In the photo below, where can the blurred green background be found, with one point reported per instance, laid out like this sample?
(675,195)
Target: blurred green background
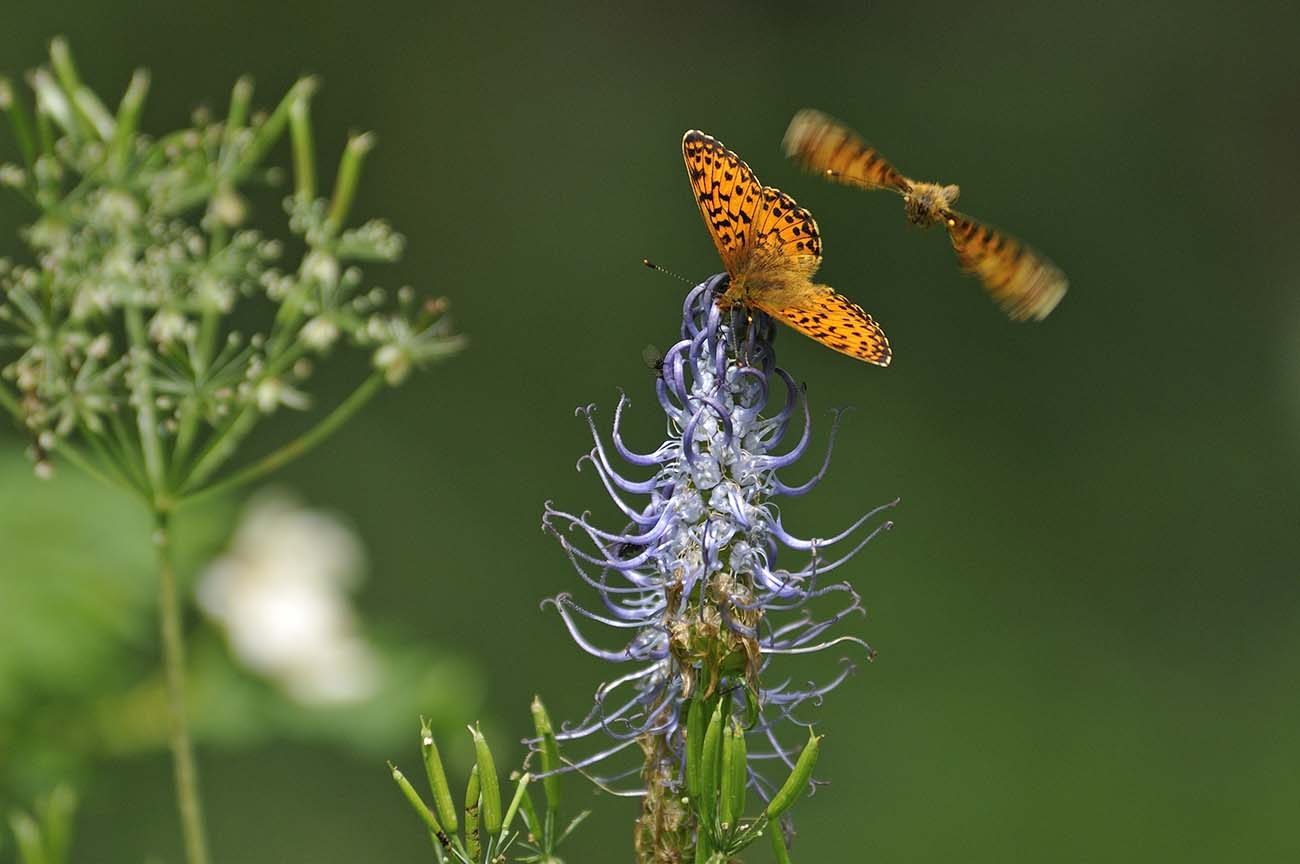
(1087,615)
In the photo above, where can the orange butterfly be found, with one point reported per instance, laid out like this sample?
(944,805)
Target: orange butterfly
(771,248)
(1023,282)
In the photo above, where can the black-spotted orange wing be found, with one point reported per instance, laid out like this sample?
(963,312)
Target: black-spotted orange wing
(1024,283)
(822,145)
(833,320)
(771,248)
(727,192)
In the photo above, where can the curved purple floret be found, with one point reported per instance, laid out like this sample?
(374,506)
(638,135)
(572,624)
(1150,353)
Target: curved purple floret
(701,544)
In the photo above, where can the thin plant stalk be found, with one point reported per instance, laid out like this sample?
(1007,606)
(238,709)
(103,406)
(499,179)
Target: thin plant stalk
(300,445)
(182,747)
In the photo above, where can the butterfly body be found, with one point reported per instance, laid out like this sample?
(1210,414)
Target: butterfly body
(1023,282)
(771,248)
(926,204)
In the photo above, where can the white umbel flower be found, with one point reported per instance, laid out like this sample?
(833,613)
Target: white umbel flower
(281,594)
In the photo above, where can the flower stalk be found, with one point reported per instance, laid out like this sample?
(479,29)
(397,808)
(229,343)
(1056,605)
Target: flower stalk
(185,770)
(119,351)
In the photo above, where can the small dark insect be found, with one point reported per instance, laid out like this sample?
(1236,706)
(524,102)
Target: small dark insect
(653,359)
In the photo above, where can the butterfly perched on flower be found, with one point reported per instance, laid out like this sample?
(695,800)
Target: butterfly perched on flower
(1020,280)
(771,248)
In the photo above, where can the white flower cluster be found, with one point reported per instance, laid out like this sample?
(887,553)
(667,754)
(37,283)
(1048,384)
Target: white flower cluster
(281,597)
(118,336)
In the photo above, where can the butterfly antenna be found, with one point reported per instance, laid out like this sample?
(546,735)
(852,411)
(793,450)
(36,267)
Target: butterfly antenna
(653,266)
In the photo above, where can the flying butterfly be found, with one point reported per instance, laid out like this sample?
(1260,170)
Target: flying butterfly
(771,248)
(1021,281)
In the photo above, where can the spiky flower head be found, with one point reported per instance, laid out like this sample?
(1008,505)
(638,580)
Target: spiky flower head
(691,583)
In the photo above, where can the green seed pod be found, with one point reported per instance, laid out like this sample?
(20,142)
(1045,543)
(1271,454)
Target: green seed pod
(739,771)
(417,803)
(709,760)
(550,752)
(471,814)
(442,800)
(695,729)
(798,779)
(726,800)
(779,852)
(487,778)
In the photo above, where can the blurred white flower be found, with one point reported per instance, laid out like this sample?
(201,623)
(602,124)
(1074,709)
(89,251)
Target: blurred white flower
(272,392)
(320,333)
(281,596)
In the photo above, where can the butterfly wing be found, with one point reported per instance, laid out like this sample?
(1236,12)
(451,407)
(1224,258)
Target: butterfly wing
(823,145)
(833,320)
(774,246)
(1021,281)
(727,192)
(783,226)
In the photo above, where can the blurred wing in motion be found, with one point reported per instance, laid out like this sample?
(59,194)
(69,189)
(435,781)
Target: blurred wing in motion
(1024,283)
(823,145)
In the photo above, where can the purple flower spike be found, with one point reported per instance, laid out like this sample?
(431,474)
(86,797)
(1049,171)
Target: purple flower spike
(690,591)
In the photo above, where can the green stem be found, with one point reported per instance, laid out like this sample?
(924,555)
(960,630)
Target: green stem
(143,394)
(299,445)
(127,452)
(221,445)
(345,185)
(304,159)
(115,475)
(173,643)
(128,119)
(9,403)
(22,124)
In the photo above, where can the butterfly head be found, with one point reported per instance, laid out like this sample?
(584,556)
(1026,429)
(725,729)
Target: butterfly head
(927,203)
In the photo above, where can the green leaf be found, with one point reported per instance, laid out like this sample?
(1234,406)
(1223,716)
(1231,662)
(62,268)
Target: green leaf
(56,812)
(573,823)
